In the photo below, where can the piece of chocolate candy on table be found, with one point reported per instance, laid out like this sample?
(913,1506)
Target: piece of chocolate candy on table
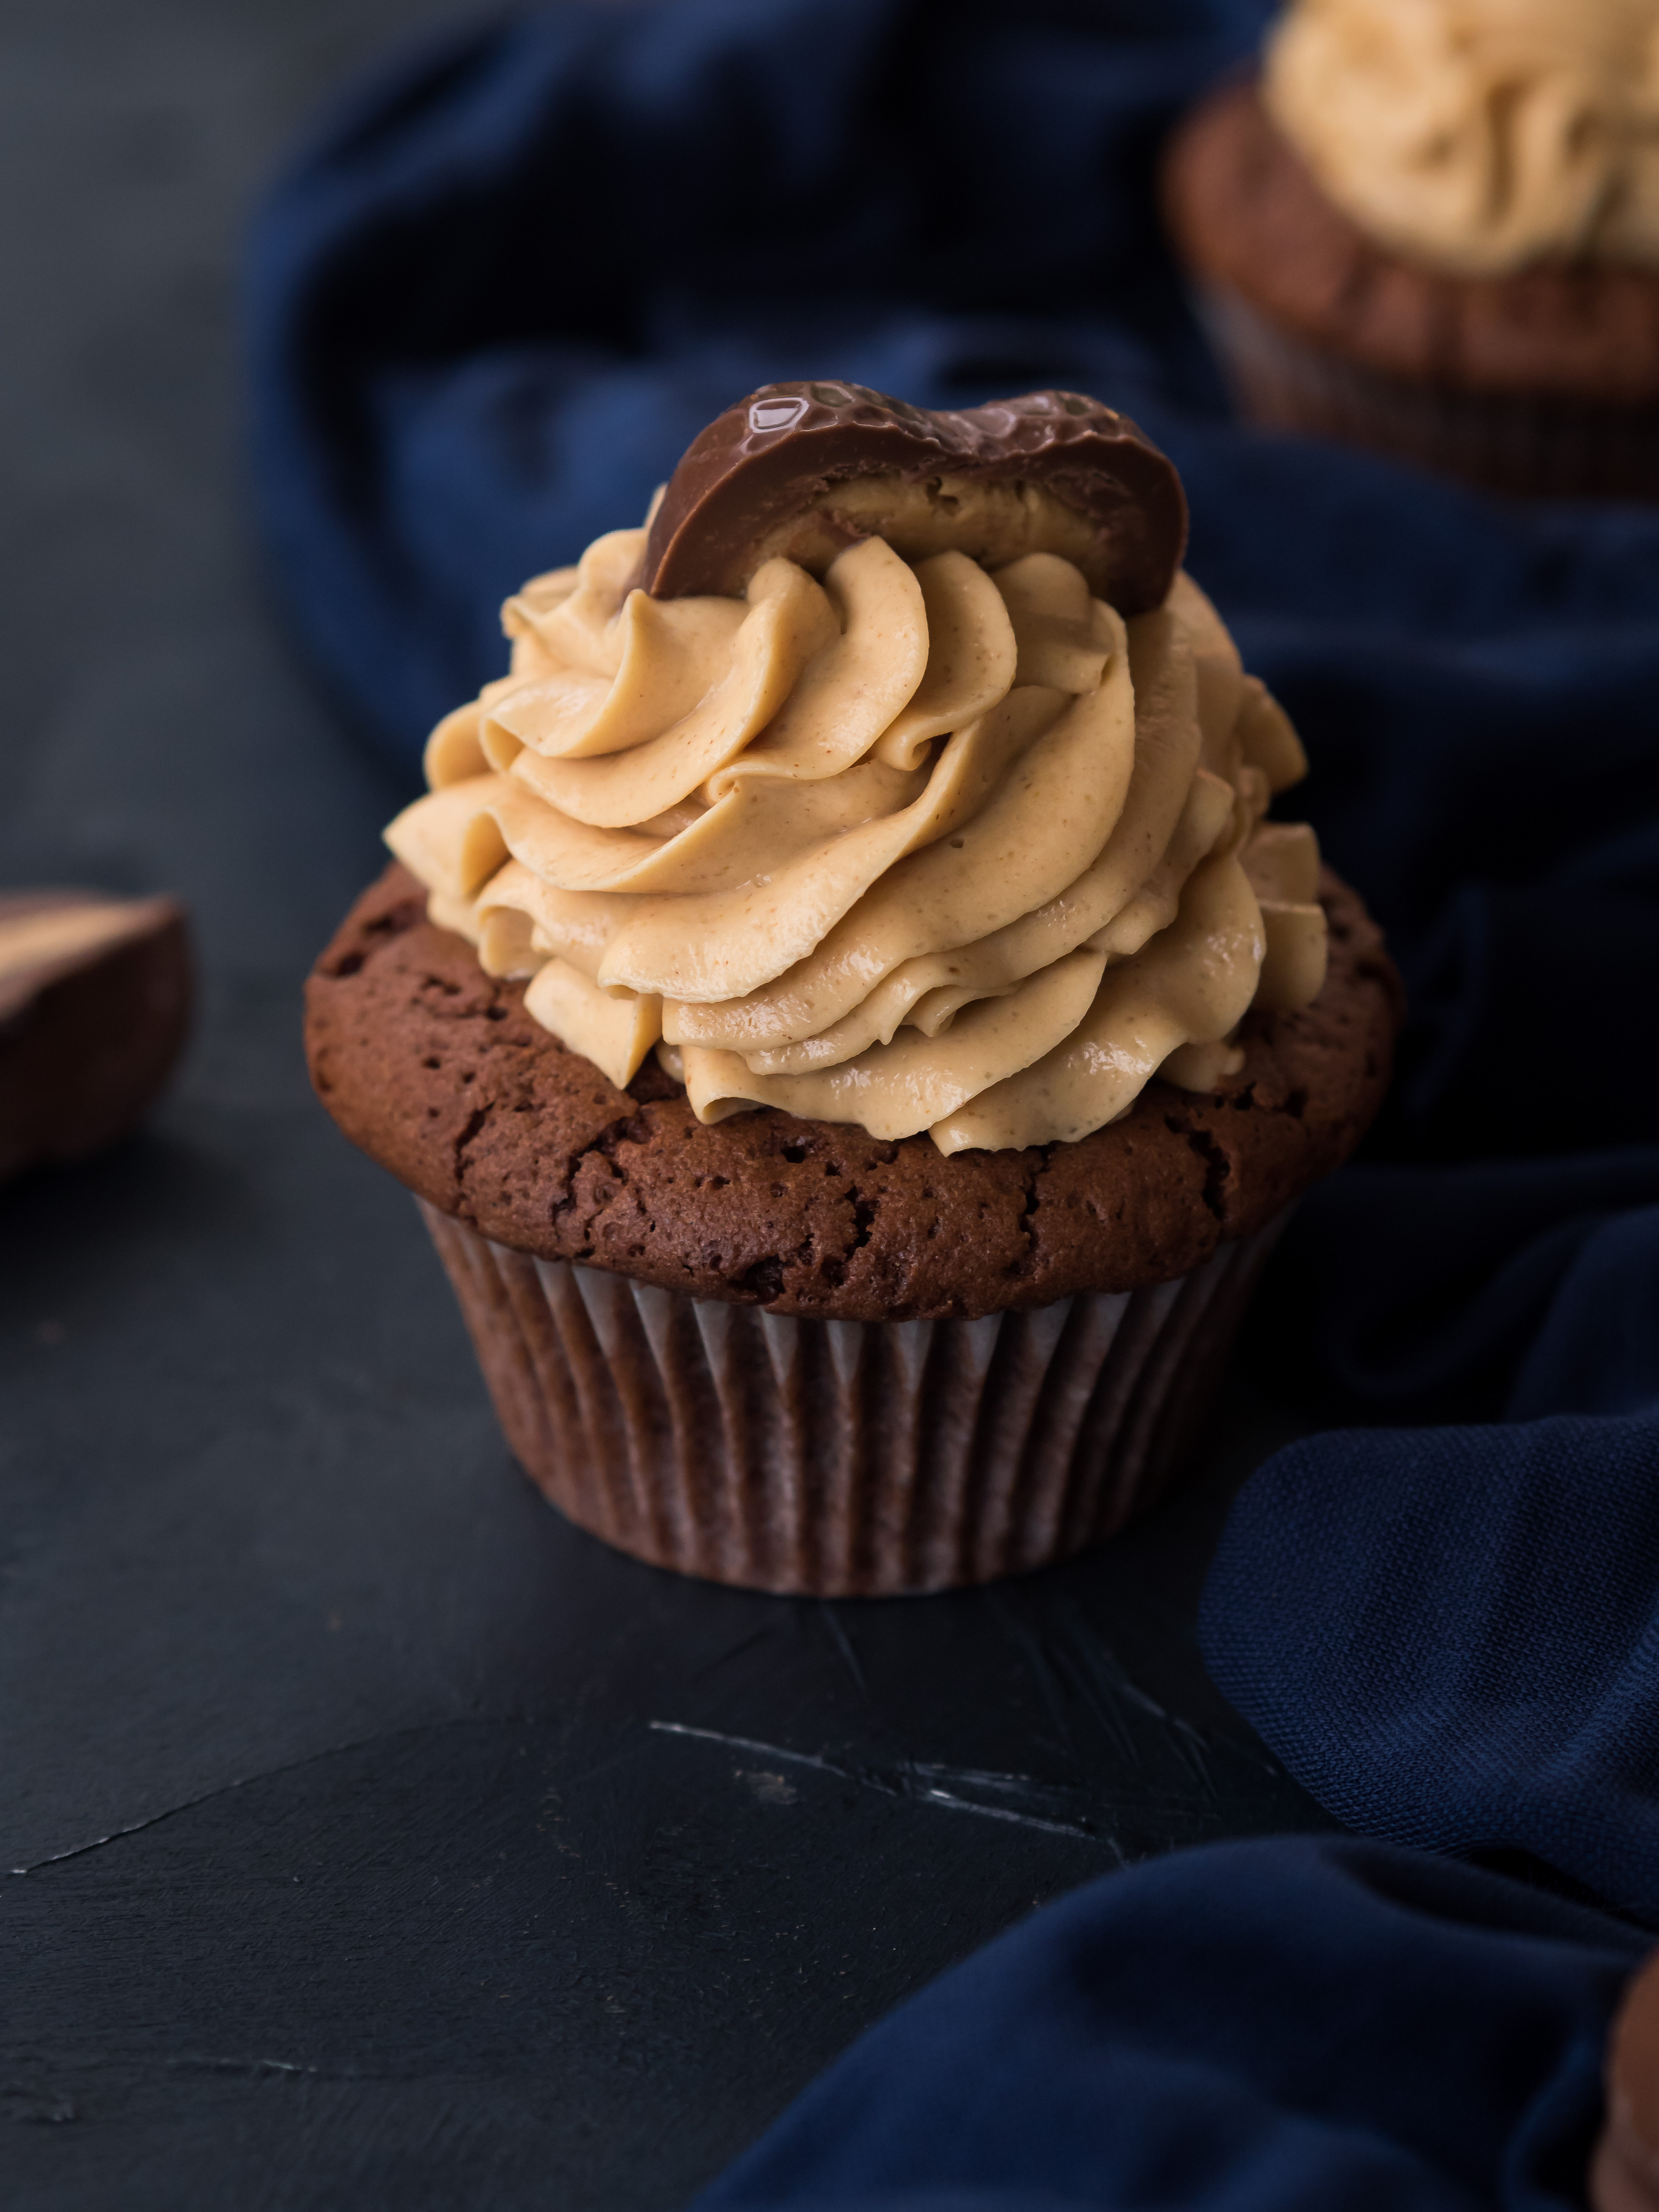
(802,469)
(94,1005)
(1625,2172)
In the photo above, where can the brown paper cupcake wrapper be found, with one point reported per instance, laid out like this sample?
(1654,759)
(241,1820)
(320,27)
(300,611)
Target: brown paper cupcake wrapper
(1509,441)
(843,1458)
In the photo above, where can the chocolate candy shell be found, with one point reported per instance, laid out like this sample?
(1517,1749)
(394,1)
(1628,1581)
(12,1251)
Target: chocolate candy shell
(778,452)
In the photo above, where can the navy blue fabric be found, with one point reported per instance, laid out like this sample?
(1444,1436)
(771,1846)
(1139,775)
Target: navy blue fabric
(1519,1714)
(1273,2027)
(491,302)
(511,279)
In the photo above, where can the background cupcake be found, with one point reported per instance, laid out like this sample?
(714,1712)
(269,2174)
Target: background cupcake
(851,1023)
(1433,227)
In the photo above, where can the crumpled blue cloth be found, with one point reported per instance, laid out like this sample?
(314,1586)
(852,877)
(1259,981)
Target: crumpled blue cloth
(1450,1635)
(491,302)
(1519,1713)
(1288,2026)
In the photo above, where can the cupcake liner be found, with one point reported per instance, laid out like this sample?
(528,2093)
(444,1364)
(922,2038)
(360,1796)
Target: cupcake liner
(840,1459)
(1512,441)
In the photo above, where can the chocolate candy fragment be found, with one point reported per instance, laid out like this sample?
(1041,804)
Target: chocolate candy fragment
(94,1003)
(1625,2170)
(803,469)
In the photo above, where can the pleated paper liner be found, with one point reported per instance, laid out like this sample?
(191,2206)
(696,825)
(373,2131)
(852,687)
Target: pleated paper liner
(843,1459)
(1510,441)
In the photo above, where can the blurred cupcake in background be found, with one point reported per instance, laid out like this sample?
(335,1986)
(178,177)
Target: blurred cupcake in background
(1432,226)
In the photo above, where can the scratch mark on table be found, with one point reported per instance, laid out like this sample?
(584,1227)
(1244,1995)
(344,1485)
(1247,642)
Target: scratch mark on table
(731,1651)
(957,1789)
(227,1789)
(843,1643)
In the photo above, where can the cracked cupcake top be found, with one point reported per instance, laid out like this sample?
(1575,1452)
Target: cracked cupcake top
(438,1072)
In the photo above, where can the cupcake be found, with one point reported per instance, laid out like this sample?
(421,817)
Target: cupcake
(1432,226)
(849,1019)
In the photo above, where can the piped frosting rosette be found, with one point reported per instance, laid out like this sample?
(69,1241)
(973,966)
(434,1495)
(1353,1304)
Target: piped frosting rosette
(1480,136)
(921,844)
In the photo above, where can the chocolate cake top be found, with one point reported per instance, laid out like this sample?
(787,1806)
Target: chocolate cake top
(438,1072)
(803,469)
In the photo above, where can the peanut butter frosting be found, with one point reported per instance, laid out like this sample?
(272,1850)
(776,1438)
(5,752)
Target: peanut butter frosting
(915,844)
(1478,136)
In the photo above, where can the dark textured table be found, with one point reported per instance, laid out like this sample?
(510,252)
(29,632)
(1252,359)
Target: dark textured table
(378,1839)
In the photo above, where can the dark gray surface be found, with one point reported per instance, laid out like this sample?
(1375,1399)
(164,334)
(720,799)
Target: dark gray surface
(386,1841)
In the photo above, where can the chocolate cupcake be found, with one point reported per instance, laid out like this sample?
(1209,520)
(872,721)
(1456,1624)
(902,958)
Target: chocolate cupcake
(1434,230)
(852,1029)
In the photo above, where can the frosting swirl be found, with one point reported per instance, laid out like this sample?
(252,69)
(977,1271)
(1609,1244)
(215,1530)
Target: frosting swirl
(1478,135)
(918,845)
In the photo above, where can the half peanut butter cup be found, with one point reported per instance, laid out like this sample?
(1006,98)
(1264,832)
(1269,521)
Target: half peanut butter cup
(804,470)
(94,1003)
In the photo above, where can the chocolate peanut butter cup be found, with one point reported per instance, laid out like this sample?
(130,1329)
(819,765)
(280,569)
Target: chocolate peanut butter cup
(94,1005)
(803,469)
